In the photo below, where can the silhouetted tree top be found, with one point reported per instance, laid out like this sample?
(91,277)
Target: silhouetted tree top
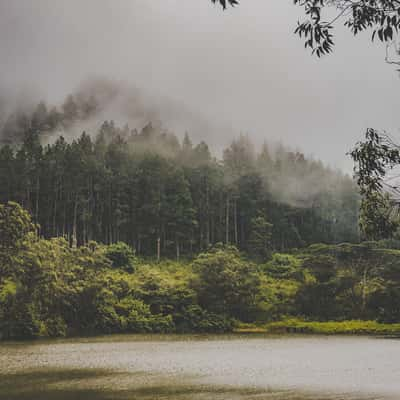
(381,17)
(225,2)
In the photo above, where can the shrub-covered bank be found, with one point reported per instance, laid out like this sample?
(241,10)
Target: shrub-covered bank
(48,288)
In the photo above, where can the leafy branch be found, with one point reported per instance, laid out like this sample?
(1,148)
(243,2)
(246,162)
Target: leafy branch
(224,3)
(380,16)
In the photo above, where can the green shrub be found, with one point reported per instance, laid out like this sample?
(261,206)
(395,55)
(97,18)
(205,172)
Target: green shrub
(196,319)
(121,256)
(54,327)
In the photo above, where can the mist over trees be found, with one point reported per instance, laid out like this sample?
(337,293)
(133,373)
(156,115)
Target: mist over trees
(111,223)
(167,196)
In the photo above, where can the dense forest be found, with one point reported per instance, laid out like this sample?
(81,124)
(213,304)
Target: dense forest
(125,230)
(166,197)
(48,288)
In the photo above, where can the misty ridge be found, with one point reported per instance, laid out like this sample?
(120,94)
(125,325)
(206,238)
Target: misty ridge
(94,101)
(117,111)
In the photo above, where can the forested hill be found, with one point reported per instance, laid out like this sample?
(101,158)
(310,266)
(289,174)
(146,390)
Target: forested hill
(157,193)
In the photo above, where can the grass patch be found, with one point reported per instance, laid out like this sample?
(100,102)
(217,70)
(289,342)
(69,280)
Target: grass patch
(353,327)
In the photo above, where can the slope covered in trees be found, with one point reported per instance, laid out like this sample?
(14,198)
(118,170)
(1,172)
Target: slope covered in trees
(169,197)
(83,222)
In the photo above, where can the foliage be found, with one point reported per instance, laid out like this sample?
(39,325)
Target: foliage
(377,220)
(351,327)
(164,198)
(260,244)
(225,2)
(226,284)
(284,266)
(15,223)
(121,256)
(197,319)
(379,16)
(50,288)
(373,158)
(347,279)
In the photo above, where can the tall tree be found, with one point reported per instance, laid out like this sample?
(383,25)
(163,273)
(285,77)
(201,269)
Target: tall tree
(373,159)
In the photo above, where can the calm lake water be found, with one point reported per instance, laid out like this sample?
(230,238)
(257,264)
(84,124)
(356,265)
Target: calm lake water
(202,367)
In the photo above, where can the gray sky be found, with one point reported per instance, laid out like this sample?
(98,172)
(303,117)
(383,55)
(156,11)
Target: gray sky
(242,68)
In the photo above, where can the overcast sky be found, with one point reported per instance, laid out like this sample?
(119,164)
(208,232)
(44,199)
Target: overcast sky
(243,68)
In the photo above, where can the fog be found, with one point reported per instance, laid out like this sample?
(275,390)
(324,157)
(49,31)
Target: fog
(214,73)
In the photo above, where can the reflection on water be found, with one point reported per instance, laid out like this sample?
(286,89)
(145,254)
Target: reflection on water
(107,385)
(205,367)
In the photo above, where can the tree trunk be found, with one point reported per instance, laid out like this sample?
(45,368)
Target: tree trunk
(158,249)
(65,218)
(37,200)
(55,215)
(227,221)
(208,216)
(235,222)
(84,232)
(74,230)
(364,291)
(177,250)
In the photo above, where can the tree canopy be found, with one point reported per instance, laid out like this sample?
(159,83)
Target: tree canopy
(165,196)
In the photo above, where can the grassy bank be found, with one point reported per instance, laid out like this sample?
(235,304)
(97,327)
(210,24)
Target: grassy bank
(324,328)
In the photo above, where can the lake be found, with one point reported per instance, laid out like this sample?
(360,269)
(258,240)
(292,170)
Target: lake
(201,367)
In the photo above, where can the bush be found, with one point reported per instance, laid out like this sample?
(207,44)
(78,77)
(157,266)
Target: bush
(226,284)
(284,266)
(54,327)
(136,318)
(196,319)
(121,256)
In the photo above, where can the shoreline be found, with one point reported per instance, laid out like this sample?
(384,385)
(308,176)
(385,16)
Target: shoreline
(297,326)
(284,327)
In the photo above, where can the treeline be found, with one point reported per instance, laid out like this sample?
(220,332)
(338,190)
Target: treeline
(46,120)
(169,198)
(48,288)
